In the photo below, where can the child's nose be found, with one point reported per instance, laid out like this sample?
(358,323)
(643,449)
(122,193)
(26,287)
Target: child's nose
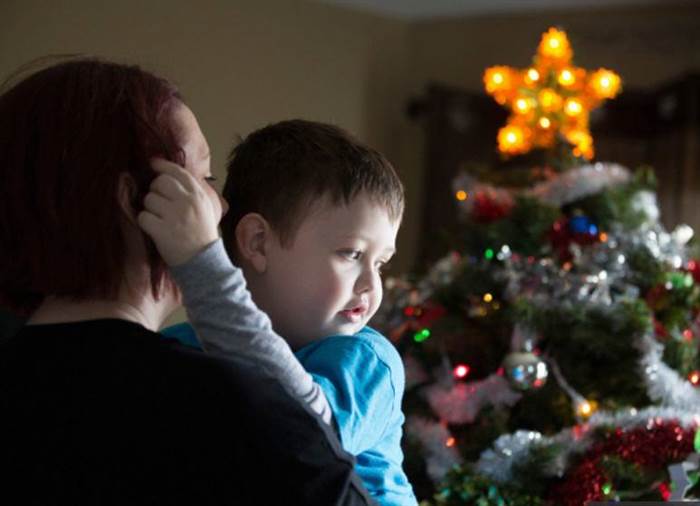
(367,281)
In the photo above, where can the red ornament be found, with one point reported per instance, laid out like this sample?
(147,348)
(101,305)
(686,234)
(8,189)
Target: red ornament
(657,297)
(431,312)
(488,207)
(659,329)
(560,239)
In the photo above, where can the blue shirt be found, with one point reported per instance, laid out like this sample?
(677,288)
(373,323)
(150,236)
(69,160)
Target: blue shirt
(363,379)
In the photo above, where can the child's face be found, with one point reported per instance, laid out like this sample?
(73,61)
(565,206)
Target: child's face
(327,281)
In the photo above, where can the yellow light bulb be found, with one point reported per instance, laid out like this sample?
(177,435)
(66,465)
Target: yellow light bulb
(586,408)
(555,45)
(512,140)
(461,195)
(573,107)
(522,105)
(566,78)
(549,100)
(497,79)
(532,76)
(488,297)
(545,123)
(605,83)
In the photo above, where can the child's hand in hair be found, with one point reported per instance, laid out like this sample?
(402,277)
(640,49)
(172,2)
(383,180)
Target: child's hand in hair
(181,214)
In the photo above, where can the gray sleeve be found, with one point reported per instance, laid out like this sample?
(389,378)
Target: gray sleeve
(229,324)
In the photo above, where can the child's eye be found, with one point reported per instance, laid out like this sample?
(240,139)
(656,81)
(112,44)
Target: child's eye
(351,254)
(210,179)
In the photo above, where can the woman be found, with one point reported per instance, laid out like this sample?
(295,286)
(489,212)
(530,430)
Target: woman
(96,407)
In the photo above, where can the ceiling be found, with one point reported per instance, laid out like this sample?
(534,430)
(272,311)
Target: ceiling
(427,9)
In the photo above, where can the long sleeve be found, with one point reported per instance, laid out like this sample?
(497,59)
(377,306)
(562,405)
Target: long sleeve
(229,324)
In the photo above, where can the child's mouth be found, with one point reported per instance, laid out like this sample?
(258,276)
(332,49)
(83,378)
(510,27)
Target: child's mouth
(355,314)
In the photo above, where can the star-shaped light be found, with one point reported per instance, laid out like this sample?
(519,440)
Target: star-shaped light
(552,97)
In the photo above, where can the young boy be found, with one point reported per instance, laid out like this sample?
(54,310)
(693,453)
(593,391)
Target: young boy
(313,219)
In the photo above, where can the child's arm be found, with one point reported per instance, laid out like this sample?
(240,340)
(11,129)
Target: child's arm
(181,216)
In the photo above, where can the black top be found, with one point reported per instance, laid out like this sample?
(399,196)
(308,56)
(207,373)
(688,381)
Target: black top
(104,412)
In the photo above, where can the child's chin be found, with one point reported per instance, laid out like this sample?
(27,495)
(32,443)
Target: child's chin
(347,329)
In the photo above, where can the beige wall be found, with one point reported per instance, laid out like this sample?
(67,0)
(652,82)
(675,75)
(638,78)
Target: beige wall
(646,45)
(244,63)
(240,64)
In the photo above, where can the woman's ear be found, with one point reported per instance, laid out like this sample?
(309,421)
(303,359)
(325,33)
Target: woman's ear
(126,192)
(253,234)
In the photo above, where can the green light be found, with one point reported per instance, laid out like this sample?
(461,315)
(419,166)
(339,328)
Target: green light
(607,488)
(488,254)
(421,336)
(696,441)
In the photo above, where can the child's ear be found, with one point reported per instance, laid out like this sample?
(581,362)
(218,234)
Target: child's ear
(252,235)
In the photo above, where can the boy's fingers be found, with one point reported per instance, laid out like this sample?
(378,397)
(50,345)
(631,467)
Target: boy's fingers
(174,170)
(149,223)
(156,204)
(168,187)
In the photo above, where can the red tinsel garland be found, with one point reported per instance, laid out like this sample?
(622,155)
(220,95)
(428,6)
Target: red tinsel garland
(656,446)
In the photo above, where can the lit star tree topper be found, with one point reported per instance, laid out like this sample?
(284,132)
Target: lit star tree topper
(551,99)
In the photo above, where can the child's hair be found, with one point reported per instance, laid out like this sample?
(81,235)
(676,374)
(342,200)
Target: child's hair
(280,170)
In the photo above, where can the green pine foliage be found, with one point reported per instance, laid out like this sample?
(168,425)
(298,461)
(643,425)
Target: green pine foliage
(594,346)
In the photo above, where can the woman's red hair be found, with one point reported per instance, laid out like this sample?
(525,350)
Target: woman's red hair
(67,134)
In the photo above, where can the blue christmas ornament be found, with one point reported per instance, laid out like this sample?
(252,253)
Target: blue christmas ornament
(582,225)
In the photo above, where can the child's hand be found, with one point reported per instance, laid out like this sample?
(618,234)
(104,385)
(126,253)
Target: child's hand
(181,214)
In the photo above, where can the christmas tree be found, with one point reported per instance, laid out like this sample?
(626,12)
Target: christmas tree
(552,357)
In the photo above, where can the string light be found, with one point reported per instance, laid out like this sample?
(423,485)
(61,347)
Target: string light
(513,139)
(605,83)
(450,442)
(532,76)
(573,107)
(461,371)
(488,297)
(421,335)
(586,408)
(566,77)
(694,378)
(461,195)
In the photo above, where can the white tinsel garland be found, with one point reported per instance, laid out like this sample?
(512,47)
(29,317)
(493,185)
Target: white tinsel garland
(432,437)
(462,402)
(510,449)
(580,182)
(663,383)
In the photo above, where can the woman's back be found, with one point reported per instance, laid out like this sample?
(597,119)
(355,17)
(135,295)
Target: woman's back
(104,412)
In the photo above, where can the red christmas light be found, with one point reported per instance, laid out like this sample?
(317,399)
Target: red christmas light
(461,371)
